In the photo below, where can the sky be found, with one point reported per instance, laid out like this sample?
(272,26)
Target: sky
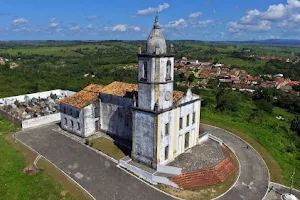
(208,20)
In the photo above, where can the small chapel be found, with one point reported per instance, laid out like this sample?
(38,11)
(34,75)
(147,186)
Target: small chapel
(159,122)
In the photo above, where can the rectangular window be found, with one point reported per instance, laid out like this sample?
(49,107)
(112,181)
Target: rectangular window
(187,140)
(71,112)
(180,123)
(166,152)
(77,114)
(78,126)
(167,126)
(194,117)
(96,112)
(188,120)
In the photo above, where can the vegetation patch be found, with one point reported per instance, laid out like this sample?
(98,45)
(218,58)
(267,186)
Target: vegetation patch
(107,146)
(15,184)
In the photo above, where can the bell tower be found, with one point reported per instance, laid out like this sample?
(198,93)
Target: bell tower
(155,76)
(155,97)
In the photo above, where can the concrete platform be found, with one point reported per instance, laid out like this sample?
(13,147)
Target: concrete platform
(205,155)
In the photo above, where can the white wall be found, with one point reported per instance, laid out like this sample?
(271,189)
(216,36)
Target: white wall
(34,122)
(20,98)
(67,117)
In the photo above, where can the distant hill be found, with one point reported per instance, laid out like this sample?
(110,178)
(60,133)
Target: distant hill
(280,42)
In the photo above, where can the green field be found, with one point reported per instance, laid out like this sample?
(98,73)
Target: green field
(14,183)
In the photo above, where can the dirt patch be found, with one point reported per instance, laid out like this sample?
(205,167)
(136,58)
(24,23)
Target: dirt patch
(31,170)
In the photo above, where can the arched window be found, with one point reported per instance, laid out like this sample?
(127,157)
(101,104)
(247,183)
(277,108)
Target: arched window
(145,70)
(168,70)
(72,124)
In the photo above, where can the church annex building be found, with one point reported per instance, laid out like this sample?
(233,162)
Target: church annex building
(159,122)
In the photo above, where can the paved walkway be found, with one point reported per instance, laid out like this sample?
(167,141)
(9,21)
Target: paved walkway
(253,181)
(95,173)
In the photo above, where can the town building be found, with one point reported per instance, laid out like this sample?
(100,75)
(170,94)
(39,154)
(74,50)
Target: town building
(159,122)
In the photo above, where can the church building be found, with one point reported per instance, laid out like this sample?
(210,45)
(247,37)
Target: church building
(159,122)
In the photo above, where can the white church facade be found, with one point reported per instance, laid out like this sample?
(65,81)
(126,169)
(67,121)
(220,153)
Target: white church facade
(159,122)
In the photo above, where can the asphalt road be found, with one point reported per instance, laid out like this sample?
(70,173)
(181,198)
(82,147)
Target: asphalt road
(94,172)
(253,181)
(104,180)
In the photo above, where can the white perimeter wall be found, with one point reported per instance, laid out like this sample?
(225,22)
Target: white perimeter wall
(34,122)
(38,121)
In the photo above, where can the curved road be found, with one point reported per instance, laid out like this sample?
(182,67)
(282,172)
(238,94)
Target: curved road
(104,180)
(254,178)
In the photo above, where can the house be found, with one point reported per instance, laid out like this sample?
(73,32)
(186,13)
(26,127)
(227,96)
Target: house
(159,122)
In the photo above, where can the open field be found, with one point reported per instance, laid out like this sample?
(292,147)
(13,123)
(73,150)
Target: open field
(15,184)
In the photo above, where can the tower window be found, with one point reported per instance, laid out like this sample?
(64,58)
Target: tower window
(180,123)
(166,152)
(187,120)
(145,70)
(187,140)
(194,117)
(168,70)
(167,127)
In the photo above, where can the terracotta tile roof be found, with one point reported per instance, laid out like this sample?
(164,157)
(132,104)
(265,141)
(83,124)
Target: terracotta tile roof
(120,88)
(177,95)
(80,99)
(94,88)
(90,93)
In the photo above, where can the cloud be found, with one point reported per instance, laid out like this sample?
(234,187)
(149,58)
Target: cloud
(261,26)
(280,15)
(53,23)
(122,28)
(151,10)
(195,15)
(20,21)
(92,17)
(204,23)
(74,28)
(177,24)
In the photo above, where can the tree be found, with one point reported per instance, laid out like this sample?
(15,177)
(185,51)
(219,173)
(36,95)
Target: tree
(191,78)
(264,105)
(227,100)
(295,125)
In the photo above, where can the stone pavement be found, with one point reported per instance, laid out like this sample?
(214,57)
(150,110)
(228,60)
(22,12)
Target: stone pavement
(254,178)
(98,175)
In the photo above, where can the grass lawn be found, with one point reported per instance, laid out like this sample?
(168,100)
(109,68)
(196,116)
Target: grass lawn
(107,147)
(14,184)
(269,136)
(208,192)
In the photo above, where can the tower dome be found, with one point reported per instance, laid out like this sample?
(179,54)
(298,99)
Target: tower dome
(156,43)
